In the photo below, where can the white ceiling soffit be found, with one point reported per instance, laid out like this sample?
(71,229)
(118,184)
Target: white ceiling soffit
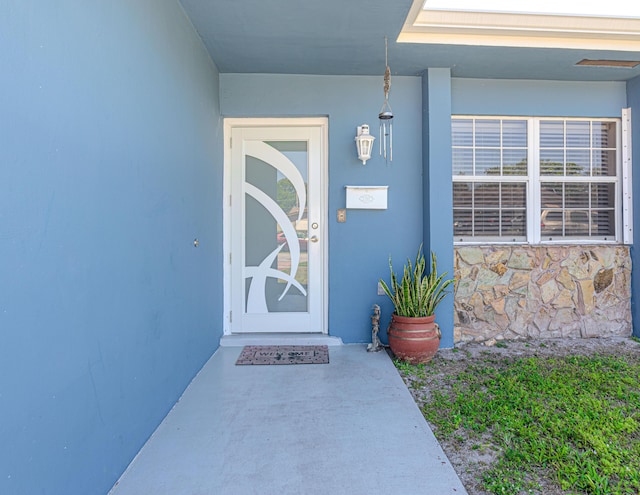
(467,27)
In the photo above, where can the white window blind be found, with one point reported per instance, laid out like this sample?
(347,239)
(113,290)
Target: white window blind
(536,180)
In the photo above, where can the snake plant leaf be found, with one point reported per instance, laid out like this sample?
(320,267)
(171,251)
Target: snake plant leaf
(416,294)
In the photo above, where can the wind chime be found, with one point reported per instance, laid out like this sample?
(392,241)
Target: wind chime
(386,115)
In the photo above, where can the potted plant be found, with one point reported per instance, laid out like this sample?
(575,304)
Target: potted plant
(413,334)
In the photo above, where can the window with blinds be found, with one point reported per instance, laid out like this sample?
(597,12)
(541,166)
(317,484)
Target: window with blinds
(578,179)
(535,180)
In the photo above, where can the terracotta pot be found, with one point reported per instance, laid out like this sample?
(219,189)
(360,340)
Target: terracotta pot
(415,340)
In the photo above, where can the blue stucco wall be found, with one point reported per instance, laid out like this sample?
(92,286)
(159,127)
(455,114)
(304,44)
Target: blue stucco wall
(358,249)
(110,166)
(537,98)
(438,193)
(633,99)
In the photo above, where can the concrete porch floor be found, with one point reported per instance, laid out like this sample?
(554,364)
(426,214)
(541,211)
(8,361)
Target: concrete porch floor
(348,427)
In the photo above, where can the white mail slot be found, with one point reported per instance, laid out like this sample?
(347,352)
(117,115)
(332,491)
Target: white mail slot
(367,197)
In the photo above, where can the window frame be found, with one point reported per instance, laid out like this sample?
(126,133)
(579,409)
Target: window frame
(534,179)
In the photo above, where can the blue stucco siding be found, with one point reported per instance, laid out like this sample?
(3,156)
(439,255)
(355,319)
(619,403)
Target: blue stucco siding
(537,98)
(358,249)
(110,166)
(438,193)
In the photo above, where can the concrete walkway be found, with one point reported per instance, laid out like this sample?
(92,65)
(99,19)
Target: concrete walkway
(348,427)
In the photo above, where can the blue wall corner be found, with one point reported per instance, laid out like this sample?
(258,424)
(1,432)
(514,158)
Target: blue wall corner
(358,249)
(111,166)
(438,195)
(633,101)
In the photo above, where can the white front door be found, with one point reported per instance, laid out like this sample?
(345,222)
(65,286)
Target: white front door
(276,231)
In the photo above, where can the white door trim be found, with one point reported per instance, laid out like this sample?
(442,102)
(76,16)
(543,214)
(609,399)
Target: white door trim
(232,123)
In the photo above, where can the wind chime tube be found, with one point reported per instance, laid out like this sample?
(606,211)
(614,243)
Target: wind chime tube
(384,132)
(390,141)
(386,137)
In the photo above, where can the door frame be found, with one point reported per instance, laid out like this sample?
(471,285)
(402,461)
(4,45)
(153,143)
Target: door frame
(231,123)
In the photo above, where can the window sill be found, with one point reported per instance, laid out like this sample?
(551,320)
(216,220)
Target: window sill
(562,242)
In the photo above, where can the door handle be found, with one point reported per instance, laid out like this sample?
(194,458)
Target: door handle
(314,238)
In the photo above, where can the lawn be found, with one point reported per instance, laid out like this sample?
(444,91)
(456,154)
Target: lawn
(541,419)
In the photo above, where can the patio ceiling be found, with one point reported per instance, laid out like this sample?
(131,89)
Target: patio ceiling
(338,37)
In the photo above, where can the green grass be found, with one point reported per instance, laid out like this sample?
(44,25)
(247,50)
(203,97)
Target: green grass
(572,421)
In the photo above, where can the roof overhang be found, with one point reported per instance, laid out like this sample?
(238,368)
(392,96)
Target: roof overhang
(458,27)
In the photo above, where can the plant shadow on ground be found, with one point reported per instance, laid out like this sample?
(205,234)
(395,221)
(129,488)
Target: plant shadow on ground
(536,417)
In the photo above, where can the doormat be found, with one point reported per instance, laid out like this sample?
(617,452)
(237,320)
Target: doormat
(284,354)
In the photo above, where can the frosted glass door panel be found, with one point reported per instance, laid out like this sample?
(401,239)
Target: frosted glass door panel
(276,227)
(277,241)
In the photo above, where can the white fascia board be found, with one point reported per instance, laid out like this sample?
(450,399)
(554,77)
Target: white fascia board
(521,30)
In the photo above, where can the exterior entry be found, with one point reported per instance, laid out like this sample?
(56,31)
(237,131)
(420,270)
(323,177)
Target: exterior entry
(275,225)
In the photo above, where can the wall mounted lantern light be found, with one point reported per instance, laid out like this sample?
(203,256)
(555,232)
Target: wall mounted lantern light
(364,143)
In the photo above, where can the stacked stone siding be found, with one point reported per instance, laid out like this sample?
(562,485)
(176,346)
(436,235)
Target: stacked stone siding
(517,292)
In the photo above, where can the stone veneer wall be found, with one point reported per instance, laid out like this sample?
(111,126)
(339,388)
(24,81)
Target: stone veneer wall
(517,292)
